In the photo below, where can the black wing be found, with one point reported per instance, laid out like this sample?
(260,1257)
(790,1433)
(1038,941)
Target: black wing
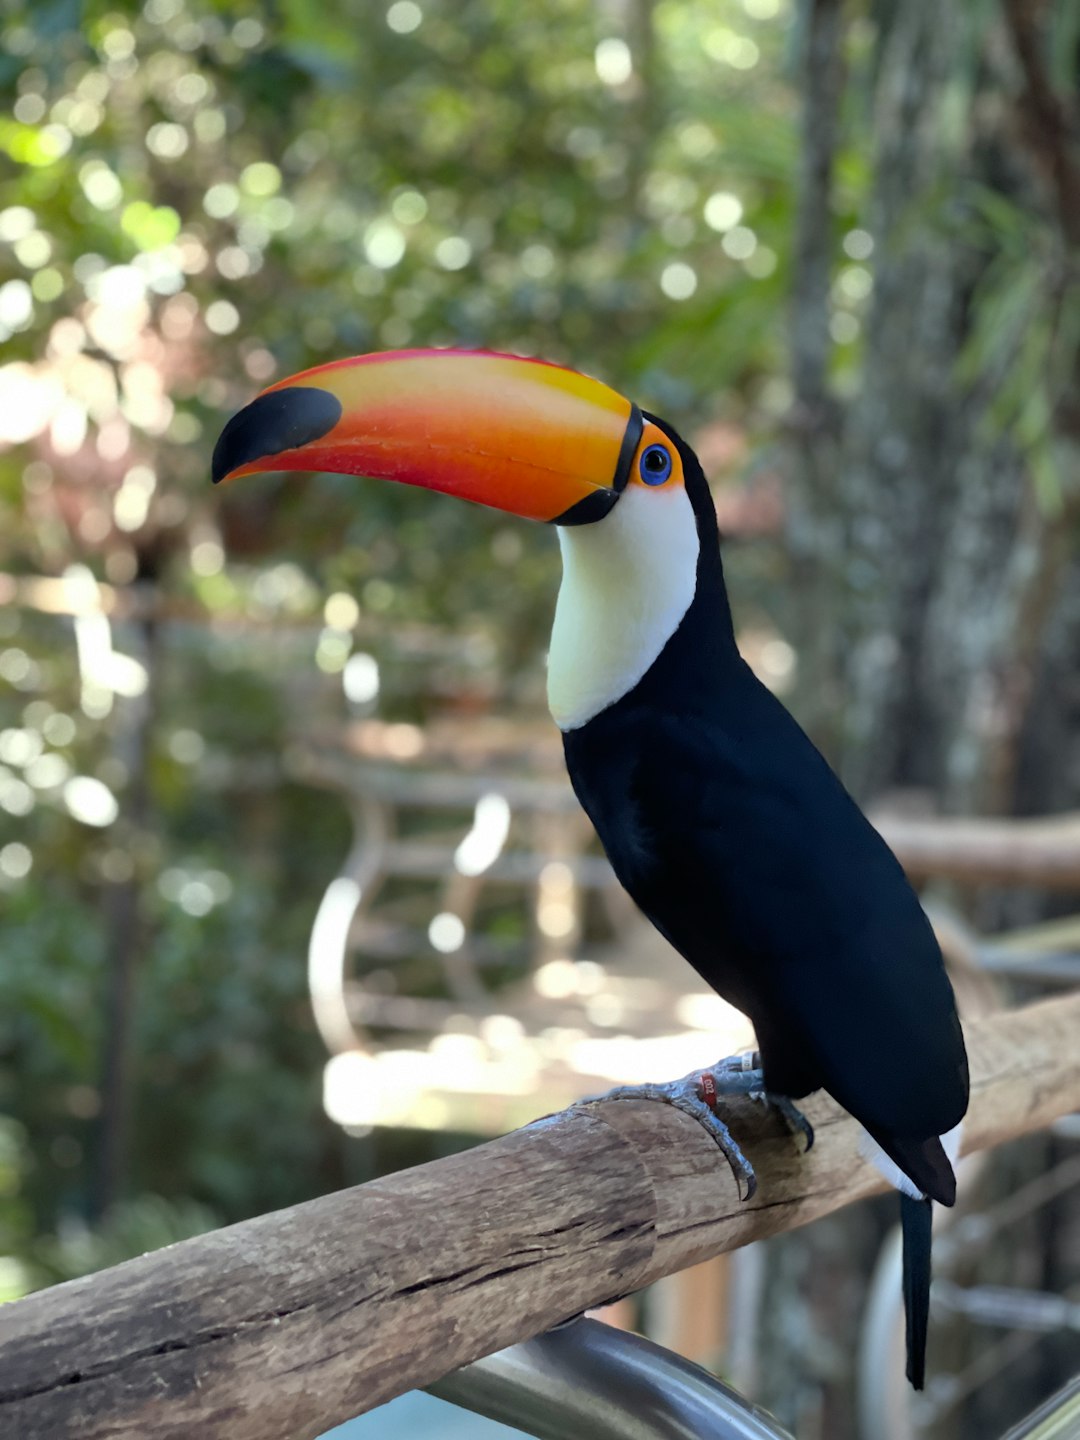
(743,848)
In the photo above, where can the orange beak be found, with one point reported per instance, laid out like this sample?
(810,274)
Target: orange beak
(520,435)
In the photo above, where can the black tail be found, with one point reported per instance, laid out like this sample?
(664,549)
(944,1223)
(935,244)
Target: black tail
(915,1218)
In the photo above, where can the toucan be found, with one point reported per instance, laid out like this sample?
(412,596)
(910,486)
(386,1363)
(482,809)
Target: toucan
(719,816)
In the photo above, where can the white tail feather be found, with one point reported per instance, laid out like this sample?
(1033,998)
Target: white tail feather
(870,1150)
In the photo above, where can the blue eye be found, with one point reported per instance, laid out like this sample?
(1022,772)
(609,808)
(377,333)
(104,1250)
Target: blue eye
(655,464)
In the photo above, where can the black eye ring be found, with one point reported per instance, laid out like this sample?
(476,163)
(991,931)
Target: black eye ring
(655,464)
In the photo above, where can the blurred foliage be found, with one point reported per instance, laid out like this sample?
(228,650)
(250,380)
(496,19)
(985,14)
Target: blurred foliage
(132,1227)
(595,167)
(1024,345)
(225,198)
(195,198)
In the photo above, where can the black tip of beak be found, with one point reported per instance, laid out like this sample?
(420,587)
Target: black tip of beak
(282,420)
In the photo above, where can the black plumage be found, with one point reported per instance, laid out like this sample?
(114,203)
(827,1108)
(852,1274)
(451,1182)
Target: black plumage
(730,831)
(720,817)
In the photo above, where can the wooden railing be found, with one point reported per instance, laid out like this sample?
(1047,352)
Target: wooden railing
(283,1326)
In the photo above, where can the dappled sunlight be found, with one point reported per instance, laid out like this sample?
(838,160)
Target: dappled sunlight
(484,843)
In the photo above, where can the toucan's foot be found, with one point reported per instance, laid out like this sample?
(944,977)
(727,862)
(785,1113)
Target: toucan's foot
(797,1122)
(686,1095)
(697,1094)
(743,1075)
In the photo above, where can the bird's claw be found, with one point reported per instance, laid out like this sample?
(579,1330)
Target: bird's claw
(743,1075)
(686,1095)
(698,1095)
(797,1122)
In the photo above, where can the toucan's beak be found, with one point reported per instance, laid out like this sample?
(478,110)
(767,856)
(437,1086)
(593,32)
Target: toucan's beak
(520,435)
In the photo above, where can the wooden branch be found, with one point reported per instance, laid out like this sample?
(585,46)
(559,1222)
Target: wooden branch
(280,1327)
(1044,852)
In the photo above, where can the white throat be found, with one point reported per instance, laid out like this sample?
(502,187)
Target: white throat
(628,580)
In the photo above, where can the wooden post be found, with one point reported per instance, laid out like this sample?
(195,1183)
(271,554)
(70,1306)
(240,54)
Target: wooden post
(1044,851)
(281,1327)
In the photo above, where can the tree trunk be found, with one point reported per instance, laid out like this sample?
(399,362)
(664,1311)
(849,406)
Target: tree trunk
(934,598)
(952,564)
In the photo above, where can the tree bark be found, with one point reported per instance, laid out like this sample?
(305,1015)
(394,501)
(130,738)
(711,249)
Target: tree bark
(931,607)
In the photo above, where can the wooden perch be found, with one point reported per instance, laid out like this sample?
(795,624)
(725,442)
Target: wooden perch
(281,1327)
(1044,852)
